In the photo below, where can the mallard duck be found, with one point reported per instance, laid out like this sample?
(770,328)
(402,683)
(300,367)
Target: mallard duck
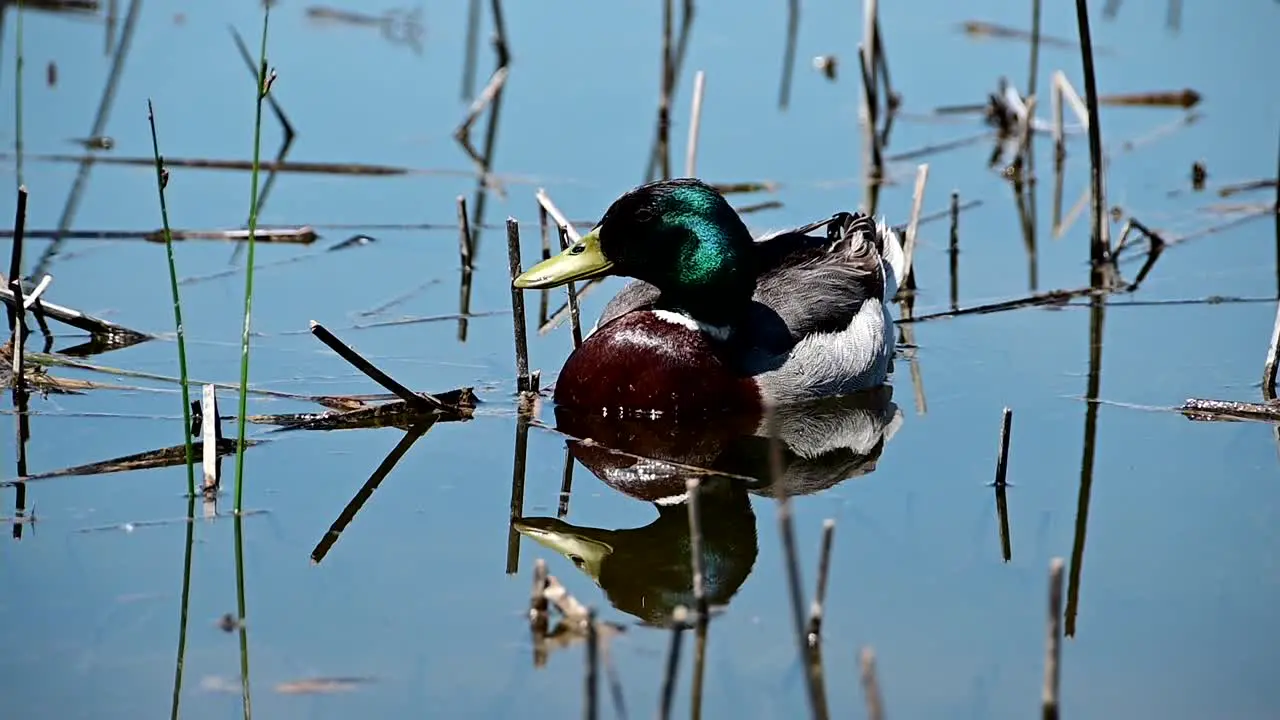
(716,321)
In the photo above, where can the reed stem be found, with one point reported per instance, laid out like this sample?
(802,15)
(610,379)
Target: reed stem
(17,97)
(162,180)
(261,91)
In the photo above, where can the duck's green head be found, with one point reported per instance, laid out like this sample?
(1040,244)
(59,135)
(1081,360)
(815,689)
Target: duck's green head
(680,235)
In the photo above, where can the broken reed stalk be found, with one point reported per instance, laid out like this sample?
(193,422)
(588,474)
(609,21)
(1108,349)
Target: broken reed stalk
(870,53)
(876,168)
(523,383)
(870,684)
(465,243)
(679,622)
(211,425)
(1053,642)
(419,401)
(18,318)
(591,706)
(1034,70)
(1269,368)
(786,528)
(1002,460)
(162,180)
(1100,241)
(575,313)
(664,98)
(824,568)
(953,250)
(260,91)
(15,262)
(695,124)
(913,227)
(692,487)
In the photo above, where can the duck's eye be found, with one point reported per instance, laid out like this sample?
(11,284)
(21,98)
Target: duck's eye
(577,560)
(577,249)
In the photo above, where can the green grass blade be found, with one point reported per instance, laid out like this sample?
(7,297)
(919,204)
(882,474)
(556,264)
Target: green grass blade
(162,179)
(248,278)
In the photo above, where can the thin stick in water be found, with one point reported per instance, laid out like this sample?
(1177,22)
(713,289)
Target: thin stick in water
(1034,70)
(789,53)
(693,487)
(517,307)
(871,685)
(15,262)
(1100,239)
(695,124)
(212,427)
(575,313)
(668,86)
(953,250)
(679,622)
(1002,460)
(913,227)
(824,568)
(162,181)
(590,709)
(1053,642)
(786,530)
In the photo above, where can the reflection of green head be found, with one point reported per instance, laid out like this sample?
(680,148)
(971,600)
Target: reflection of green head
(647,571)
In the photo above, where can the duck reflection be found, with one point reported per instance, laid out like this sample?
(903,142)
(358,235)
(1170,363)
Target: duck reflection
(647,571)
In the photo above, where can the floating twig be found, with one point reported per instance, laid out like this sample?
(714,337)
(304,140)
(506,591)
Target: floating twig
(1184,99)
(148,460)
(120,336)
(1198,409)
